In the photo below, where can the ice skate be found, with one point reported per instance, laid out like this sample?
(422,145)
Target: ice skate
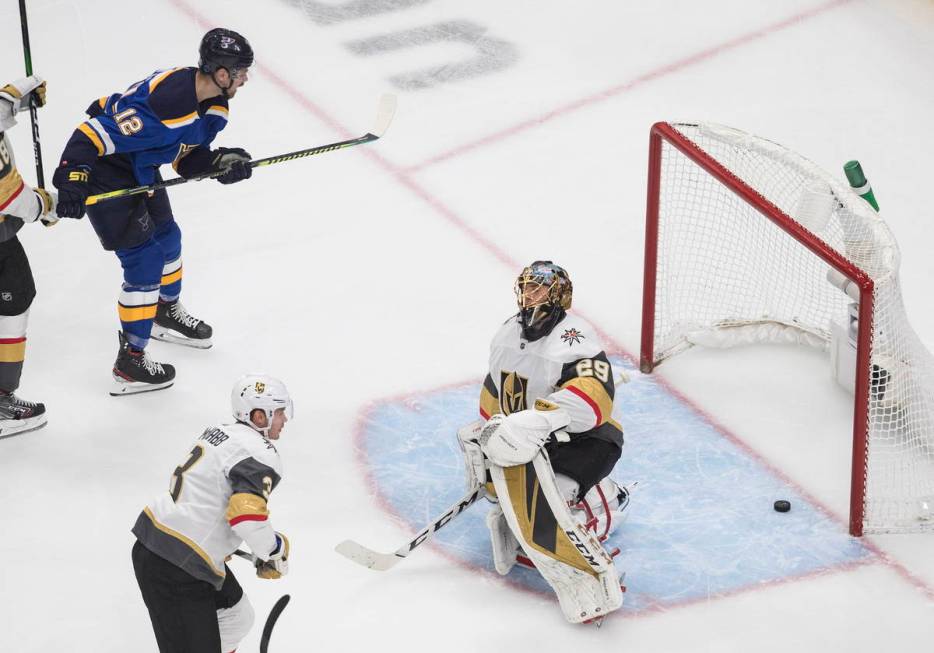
(174,324)
(19,416)
(135,372)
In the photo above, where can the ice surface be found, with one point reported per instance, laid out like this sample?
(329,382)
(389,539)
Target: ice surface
(372,279)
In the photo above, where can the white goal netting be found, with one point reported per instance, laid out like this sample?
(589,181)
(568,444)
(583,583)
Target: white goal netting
(726,274)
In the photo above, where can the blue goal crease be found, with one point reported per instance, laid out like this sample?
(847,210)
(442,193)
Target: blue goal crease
(701,523)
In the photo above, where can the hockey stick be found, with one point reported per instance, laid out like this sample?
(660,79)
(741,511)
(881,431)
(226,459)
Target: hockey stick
(384,561)
(27,53)
(245,555)
(271,622)
(384,114)
(273,614)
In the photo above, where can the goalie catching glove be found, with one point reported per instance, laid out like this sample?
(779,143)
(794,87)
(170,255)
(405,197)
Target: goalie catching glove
(515,439)
(277,564)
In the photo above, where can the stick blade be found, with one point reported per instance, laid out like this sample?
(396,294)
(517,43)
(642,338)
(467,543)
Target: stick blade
(367,557)
(384,113)
(271,622)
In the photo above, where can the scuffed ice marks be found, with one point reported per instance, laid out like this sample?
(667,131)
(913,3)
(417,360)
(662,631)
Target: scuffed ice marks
(701,523)
(483,53)
(330,13)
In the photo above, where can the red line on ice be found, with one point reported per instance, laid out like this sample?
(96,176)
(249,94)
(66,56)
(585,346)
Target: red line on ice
(619,89)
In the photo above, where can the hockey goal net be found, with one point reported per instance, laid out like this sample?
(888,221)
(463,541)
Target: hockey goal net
(726,263)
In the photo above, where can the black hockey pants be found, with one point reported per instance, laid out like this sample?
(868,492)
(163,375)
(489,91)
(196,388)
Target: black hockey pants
(182,608)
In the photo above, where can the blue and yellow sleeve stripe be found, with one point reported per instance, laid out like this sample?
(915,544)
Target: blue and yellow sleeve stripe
(217,110)
(96,133)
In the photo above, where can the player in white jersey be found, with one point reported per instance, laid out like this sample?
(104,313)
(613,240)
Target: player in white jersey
(550,388)
(19,203)
(215,501)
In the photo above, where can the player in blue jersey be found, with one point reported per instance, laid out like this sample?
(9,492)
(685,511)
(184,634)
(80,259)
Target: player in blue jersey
(172,116)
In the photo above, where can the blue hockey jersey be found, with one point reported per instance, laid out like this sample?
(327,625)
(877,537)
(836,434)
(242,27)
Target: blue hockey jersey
(155,121)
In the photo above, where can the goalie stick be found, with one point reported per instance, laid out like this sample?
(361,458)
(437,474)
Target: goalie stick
(384,561)
(384,114)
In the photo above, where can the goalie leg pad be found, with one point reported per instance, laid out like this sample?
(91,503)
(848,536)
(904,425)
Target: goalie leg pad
(474,460)
(568,556)
(505,545)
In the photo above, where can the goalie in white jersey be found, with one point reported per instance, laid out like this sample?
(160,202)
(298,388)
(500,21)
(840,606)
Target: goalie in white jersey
(216,500)
(548,445)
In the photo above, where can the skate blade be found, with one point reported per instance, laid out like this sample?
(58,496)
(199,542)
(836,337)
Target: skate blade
(30,424)
(122,388)
(167,335)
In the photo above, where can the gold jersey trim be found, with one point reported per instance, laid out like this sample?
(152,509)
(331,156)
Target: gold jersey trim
(185,540)
(10,185)
(595,391)
(244,504)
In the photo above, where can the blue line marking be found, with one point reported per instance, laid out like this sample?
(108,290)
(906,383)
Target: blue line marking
(701,523)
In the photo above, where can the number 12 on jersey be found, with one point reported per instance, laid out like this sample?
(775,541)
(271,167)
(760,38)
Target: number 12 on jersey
(178,476)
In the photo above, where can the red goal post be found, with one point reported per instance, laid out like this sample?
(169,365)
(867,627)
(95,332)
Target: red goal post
(725,261)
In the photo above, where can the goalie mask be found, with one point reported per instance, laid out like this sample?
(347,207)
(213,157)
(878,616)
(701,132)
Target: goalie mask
(259,392)
(543,293)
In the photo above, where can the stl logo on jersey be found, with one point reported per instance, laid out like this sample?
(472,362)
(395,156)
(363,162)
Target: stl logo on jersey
(571,336)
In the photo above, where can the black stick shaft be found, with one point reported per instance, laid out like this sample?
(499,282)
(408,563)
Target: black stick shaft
(27,53)
(300,154)
(271,622)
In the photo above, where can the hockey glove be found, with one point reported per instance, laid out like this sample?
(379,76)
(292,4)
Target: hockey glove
(516,438)
(47,199)
(277,565)
(236,162)
(73,189)
(19,93)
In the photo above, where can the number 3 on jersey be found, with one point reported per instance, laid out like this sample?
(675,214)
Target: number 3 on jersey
(175,485)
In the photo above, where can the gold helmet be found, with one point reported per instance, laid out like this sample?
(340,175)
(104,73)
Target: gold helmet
(543,293)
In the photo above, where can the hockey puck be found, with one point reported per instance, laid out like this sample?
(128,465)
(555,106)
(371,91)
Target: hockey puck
(782,506)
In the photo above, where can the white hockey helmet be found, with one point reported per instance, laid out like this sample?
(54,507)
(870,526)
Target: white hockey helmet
(259,392)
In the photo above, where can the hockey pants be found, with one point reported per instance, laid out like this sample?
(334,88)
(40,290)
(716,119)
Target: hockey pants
(188,614)
(17,290)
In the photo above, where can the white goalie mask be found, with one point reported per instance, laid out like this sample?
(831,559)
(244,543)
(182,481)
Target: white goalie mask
(259,392)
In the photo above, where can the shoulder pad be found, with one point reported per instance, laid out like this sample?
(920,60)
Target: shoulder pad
(172,96)
(573,338)
(506,331)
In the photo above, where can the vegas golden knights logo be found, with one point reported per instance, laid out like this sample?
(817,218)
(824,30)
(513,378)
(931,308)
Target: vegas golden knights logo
(512,396)
(260,387)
